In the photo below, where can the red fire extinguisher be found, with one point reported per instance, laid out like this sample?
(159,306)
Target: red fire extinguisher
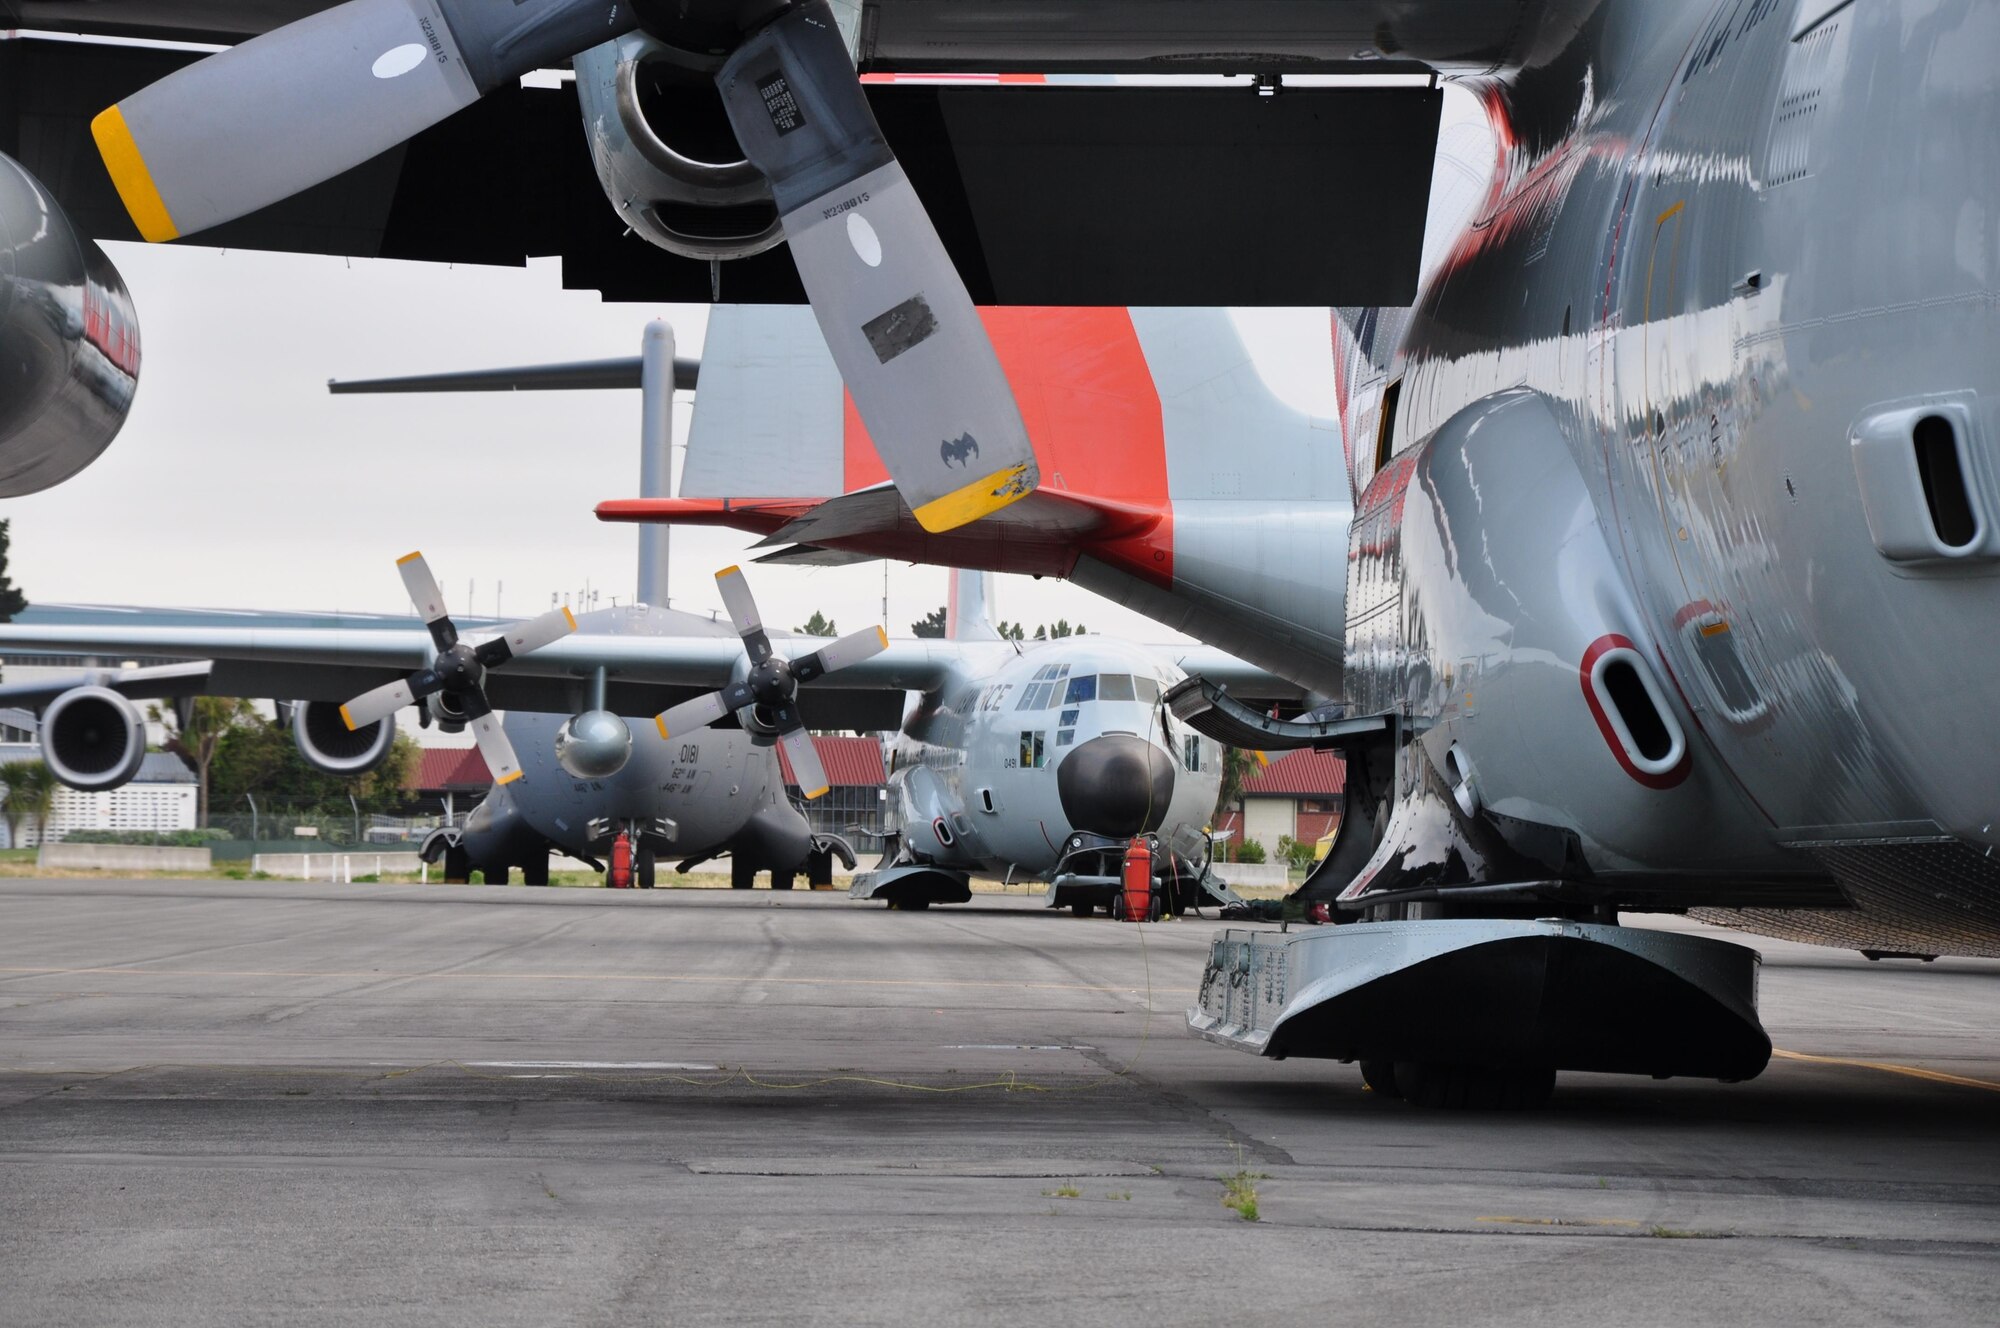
(620,875)
(1139,880)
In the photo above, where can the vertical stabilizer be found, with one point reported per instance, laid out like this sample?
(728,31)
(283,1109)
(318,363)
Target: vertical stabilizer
(966,615)
(656,452)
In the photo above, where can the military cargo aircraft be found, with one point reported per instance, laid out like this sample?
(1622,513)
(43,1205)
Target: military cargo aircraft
(1670,580)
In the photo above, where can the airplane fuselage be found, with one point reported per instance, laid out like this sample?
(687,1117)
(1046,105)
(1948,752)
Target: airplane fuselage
(993,771)
(1700,414)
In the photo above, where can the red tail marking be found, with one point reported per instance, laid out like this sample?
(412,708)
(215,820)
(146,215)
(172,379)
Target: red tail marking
(1092,411)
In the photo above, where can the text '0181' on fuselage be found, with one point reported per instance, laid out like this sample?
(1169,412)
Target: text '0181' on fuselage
(1679,514)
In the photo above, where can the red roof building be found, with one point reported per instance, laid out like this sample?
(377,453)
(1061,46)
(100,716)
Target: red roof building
(1298,795)
(850,762)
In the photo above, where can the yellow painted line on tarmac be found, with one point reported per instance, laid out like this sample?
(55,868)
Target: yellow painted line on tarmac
(690,978)
(1890,1067)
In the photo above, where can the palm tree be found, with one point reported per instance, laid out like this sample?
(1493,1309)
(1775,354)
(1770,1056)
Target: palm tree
(31,795)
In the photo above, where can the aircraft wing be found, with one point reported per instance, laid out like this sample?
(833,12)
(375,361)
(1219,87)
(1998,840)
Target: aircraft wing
(1066,193)
(647,674)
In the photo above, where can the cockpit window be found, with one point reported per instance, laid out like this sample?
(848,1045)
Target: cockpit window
(1081,689)
(1149,690)
(1114,687)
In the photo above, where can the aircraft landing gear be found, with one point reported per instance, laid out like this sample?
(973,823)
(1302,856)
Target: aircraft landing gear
(457,866)
(783,880)
(742,873)
(646,869)
(1083,910)
(1477,1087)
(535,871)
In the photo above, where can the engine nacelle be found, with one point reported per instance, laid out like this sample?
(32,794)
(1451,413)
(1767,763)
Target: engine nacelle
(69,341)
(696,196)
(92,739)
(331,748)
(446,712)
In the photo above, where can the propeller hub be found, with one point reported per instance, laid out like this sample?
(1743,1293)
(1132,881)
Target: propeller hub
(457,669)
(772,682)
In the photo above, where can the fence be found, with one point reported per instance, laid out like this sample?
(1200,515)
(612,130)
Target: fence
(337,866)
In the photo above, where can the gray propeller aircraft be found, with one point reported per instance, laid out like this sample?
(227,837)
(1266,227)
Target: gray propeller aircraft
(1045,760)
(1042,760)
(1668,581)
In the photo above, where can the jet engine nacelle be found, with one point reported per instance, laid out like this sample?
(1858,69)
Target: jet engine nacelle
(330,747)
(665,153)
(92,739)
(69,341)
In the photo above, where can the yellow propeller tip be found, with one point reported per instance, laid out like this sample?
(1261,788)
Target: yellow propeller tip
(410,557)
(509,778)
(569,618)
(819,792)
(347,719)
(130,176)
(732,570)
(885,637)
(660,723)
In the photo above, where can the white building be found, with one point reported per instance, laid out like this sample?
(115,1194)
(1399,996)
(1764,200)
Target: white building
(161,797)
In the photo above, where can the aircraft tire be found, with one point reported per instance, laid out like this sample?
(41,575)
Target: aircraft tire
(646,870)
(742,875)
(1474,1087)
(1083,910)
(495,875)
(535,871)
(783,880)
(1380,1076)
(457,866)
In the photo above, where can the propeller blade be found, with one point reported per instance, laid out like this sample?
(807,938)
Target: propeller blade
(493,745)
(703,710)
(423,590)
(378,703)
(902,329)
(302,103)
(523,637)
(805,761)
(742,609)
(690,715)
(849,649)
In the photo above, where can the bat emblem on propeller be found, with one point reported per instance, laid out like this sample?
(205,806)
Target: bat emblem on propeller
(960,449)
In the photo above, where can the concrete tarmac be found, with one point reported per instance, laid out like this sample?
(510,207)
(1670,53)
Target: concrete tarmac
(228,1103)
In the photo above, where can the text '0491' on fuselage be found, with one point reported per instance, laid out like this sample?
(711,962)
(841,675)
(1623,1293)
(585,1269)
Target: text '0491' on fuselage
(994,770)
(1679,491)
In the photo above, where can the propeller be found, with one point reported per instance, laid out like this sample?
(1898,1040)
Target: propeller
(459,669)
(773,683)
(261,121)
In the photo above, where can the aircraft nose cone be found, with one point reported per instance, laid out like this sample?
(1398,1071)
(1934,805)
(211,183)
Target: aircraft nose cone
(1115,784)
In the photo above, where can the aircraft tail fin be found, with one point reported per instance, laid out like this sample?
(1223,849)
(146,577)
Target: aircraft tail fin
(966,615)
(1135,407)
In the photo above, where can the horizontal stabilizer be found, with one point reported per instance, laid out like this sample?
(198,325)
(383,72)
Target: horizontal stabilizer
(1041,534)
(580,375)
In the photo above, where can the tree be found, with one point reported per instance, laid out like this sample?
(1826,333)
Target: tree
(12,601)
(208,721)
(931,624)
(1058,630)
(259,757)
(1236,763)
(1010,631)
(31,795)
(818,625)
